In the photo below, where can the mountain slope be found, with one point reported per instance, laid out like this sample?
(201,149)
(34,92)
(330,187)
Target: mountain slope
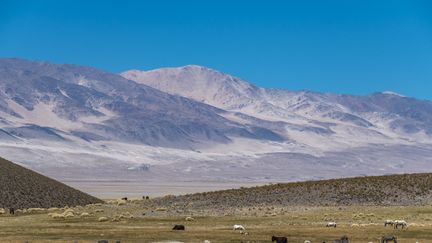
(197,124)
(63,101)
(388,117)
(199,83)
(23,188)
(407,189)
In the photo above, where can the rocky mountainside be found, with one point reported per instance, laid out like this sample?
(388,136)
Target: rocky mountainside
(384,116)
(55,102)
(23,188)
(197,124)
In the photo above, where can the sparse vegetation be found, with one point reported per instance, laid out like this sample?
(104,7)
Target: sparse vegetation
(22,188)
(298,210)
(407,189)
(299,223)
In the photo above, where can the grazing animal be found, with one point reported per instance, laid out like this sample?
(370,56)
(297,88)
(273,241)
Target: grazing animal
(11,210)
(389,222)
(124,198)
(331,224)
(102,241)
(178,227)
(343,239)
(400,223)
(279,239)
(239,227)
(387,238)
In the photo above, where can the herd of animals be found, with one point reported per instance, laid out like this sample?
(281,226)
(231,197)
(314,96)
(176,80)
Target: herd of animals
(395,223)
(284,239)
(343,239)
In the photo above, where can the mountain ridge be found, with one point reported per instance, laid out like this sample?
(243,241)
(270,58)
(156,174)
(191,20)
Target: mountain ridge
(195,123)
(285,105)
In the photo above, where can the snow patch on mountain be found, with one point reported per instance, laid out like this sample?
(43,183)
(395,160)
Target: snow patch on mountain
(393,93)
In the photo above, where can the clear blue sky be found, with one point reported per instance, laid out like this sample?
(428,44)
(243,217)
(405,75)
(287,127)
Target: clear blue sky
(345,46)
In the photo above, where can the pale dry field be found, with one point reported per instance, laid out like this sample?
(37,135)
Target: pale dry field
(360,223)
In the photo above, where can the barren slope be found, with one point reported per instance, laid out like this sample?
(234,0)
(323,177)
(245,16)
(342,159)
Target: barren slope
(407,189)
(23,188)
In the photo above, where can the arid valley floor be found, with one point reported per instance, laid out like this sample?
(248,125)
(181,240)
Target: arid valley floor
(136,221)
(49,211)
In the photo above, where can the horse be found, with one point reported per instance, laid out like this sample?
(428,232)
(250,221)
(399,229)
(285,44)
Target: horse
(331,224)
(388,222)
(239,227)
(343,239)
(402,223)
(178,227)
(387,238)
(279,239)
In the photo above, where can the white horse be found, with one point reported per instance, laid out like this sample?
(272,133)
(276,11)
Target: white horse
(389,222)
(239,227)
(331,224)
(402,223)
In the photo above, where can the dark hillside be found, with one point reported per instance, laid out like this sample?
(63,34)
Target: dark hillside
(407,189)
(23,188)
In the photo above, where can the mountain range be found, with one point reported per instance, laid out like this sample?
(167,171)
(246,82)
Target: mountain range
(194,123)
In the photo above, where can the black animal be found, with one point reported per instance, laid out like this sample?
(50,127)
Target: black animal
(125,198)
(343,239)
(279,239)
(178,227)
(388,238)
(103,241)
(11,210)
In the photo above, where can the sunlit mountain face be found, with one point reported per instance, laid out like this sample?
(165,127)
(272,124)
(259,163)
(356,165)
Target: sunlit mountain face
(195,123)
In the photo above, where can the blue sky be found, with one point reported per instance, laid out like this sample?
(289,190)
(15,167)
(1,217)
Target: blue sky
(355,47)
